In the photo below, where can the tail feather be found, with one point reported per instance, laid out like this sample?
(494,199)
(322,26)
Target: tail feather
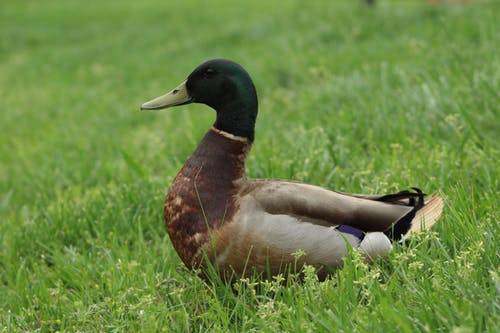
(426,217)
(407,198)
(425,211)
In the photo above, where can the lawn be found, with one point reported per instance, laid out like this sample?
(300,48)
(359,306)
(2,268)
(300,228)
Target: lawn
(354,98)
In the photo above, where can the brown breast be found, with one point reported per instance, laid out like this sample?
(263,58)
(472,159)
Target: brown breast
(202,196)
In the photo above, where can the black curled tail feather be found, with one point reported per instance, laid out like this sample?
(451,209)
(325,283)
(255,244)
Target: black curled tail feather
(405,197)
(403,225)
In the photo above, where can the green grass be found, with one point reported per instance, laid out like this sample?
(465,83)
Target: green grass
(353,98)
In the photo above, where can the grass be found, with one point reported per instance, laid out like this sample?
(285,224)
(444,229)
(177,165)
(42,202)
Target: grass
(353,98)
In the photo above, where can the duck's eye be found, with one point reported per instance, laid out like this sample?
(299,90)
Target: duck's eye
(209,72)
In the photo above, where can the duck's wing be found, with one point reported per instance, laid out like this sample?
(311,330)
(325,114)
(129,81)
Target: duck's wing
(393,214)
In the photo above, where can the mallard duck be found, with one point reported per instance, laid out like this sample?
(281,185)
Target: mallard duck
(245,226)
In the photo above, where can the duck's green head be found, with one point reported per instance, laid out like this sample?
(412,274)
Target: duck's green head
(223,85)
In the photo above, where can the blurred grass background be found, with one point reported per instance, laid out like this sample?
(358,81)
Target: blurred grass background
(352,97)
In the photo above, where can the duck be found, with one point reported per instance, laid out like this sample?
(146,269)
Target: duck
(218,217)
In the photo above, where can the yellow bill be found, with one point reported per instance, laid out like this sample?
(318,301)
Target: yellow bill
(177,96)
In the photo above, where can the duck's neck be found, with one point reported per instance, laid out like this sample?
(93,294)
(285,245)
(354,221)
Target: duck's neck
(238,116)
